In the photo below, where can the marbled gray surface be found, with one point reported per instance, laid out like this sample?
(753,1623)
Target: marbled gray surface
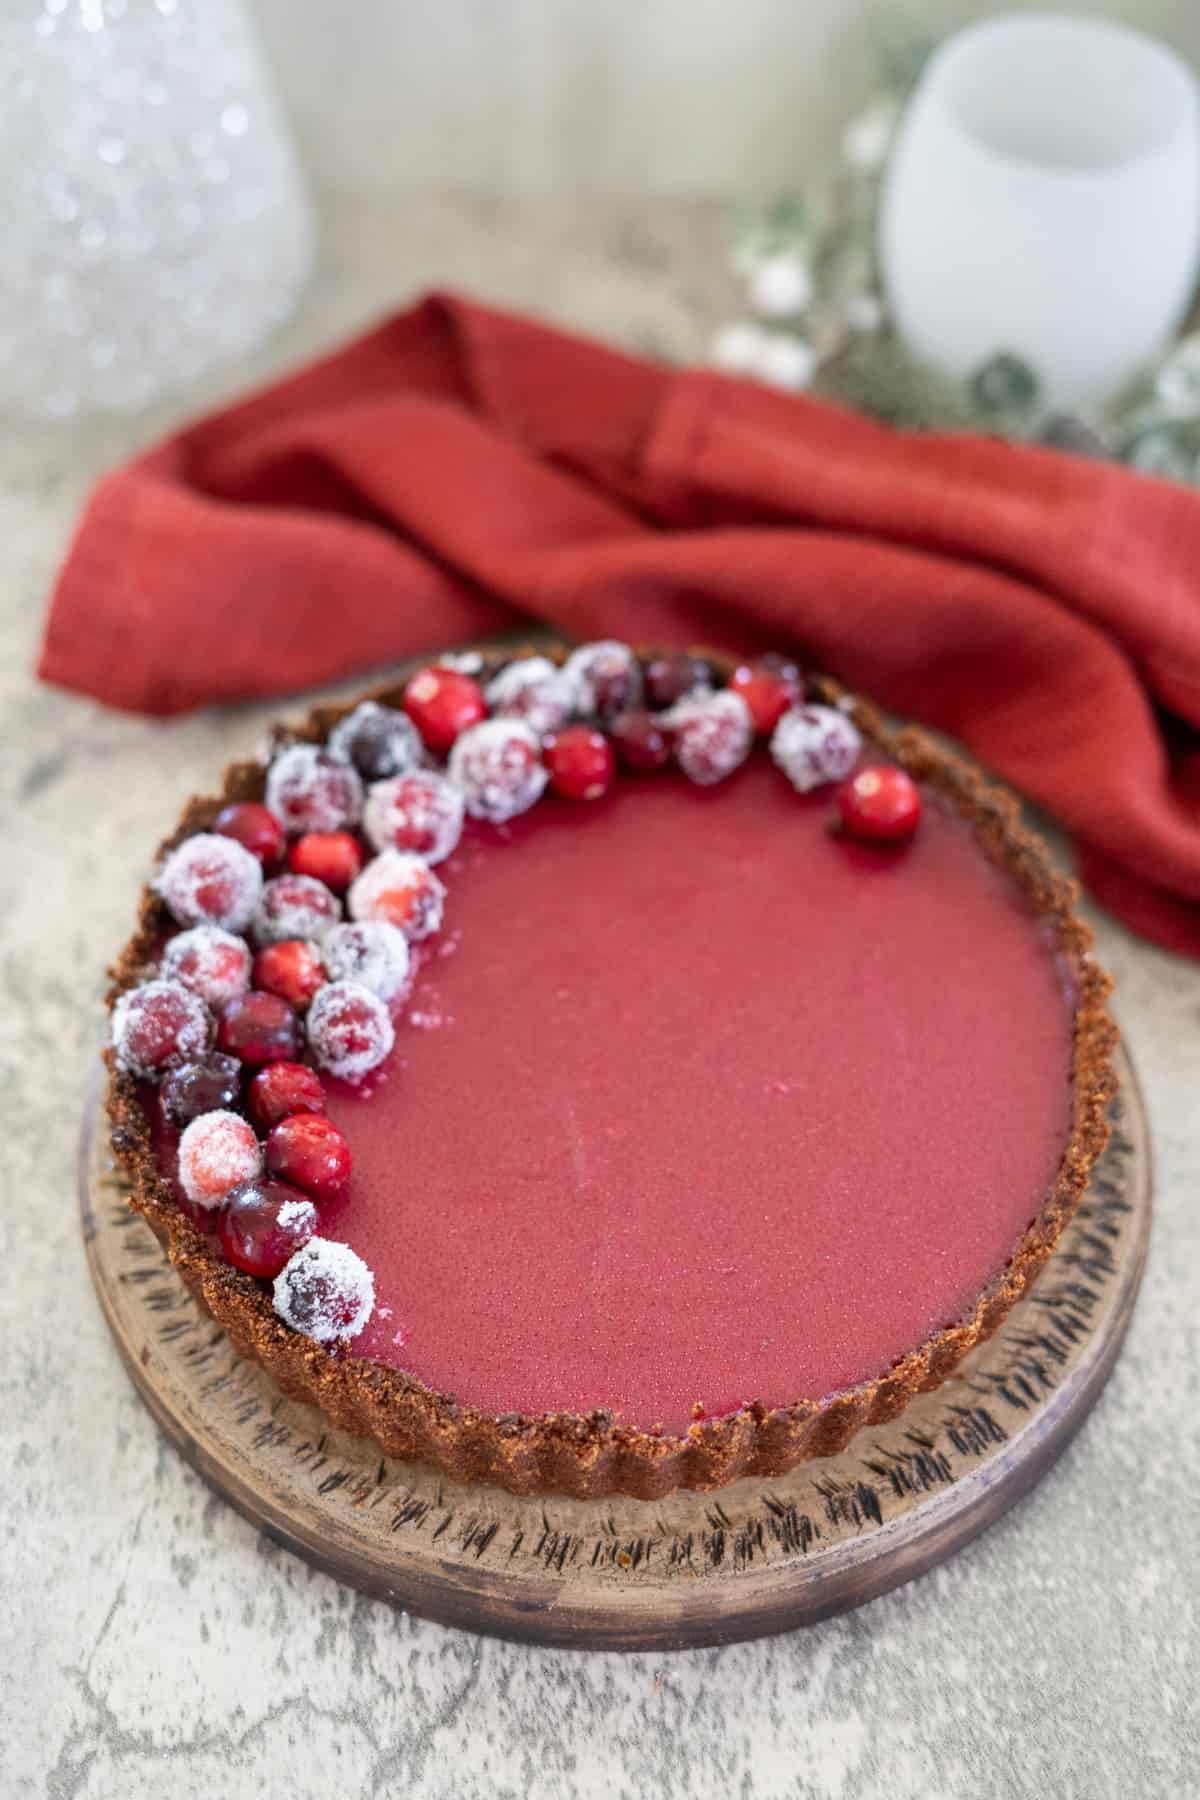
(153,1644)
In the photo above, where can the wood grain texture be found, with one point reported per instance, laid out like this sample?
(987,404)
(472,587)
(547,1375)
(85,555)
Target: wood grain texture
(628,1574)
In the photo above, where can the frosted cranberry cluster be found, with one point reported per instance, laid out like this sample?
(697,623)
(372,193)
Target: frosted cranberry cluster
(299,918)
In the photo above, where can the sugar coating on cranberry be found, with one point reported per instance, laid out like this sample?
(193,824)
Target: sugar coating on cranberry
(210,1085)
(378,740)
(283,1088)
(294,906)
(212,962)
(498,766)
(217,1152)
(211,880)
(350,1030)
(371,952)
(401,889)
(309,790)
(158,1026)
(325,1291)
(533,689)
(605,677)
(263,1224)
(713,734)
(814,745)
(421,812)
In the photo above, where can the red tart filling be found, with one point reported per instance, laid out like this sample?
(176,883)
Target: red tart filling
(692,1105)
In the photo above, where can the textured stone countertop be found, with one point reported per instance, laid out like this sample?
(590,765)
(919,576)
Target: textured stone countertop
(154,1644)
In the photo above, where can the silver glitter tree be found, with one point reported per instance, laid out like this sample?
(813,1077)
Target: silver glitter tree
(155,218)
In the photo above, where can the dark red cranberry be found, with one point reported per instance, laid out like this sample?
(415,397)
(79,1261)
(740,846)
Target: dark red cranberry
(210,1085)
(255,828)
(378,740)
(770,687)
(259,1028)
(669,678)
(580,762)
(284,1088)
(263,1224)
(310,1150)
(293,970)
(641,743)
(879,805)
(442,703)
(329,856)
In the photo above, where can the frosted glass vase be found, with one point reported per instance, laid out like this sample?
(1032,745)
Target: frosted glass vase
(155,219)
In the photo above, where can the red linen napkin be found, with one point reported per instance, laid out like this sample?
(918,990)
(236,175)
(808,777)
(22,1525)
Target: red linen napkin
(457,470)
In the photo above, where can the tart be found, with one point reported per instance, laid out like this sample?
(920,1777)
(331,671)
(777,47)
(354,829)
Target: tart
(602,1073)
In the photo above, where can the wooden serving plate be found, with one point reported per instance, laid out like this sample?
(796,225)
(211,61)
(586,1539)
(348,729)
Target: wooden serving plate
(693,1569)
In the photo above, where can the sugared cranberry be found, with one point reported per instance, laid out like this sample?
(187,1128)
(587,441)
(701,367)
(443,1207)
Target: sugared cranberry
(401,889)
(606,678)
(217,1152)
(255,827)
(880,805)
(534,690)
(371,952)
(712,735)
(263,1224)
(294,906)
(210,1085)
(350,1030)
(309,790)
(310,1151)
(378,740)
(293,970)
(670,678)
(284,1088)
(158,1026)
(442,704)
(259,1028)
(813,745)
(325,1291)
(421,812)
(641,742)
(213,963)
(580,762)
(769,687)
(211,880)
(498,765)
(329,856)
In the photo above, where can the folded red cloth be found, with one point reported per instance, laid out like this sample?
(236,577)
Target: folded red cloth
(457,469)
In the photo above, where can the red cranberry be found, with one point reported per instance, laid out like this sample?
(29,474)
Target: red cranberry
(309,790)
(329,856)
(580,762)
(294,906)
(210,1085)
(157,1026)
(259,1028)
(263,1224)
(442,703)
(211,880)
(293,970)
(640,741)
(255,827)
(378,740)
(310,1150)
(606,678)
(401,889)
(284,1088)
(880,805)
(769,687)
(669,678)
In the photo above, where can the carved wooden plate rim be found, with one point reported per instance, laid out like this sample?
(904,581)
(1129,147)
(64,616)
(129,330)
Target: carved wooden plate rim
(693,1569)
